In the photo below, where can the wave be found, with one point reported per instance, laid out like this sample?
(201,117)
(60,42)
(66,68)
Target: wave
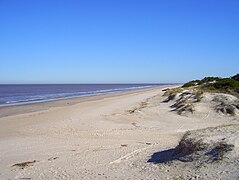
(66,95)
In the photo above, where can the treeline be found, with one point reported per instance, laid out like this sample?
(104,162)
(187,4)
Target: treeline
(225,85)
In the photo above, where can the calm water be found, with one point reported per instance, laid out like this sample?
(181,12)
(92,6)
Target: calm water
(24,94)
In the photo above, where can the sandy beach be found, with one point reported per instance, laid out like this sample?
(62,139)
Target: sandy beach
(119,90)
(103,137)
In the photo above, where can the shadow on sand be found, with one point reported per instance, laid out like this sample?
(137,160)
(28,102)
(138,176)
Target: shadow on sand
(162,156)
(170,155)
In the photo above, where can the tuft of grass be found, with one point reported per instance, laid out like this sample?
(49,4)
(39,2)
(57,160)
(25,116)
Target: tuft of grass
(171,93)
(226,109)
(218,152)
(186,101)
(185,108)
(198,95)
(188,146)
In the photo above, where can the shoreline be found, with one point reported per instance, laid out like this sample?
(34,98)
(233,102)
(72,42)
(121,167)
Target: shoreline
(17,109)
(56,96)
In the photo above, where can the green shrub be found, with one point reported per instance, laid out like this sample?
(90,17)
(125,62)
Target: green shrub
(192,83)
(236,77)
(225,85)
(200,82)
(209,79)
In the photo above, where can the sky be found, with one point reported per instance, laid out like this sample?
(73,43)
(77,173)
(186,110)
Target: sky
(117,41)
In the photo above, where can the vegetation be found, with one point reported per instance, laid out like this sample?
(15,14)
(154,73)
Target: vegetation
(192,83)
(210,79)
(225,85)
(236,77)
(217,84)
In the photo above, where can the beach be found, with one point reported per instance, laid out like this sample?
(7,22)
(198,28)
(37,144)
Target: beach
(119,90)
(110,136)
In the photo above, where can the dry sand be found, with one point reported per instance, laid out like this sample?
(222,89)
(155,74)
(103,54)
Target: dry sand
(103,137)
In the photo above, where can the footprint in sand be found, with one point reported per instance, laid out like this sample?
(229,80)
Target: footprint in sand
(52,158)
(135,124)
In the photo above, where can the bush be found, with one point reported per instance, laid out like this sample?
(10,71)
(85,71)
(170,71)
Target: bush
(200,82)
(236,77)
(210,79)
(225,85)
(192,83)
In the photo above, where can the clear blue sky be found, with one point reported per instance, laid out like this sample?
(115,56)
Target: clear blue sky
(96,41)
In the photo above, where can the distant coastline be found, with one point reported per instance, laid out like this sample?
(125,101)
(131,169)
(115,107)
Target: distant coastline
(21,94)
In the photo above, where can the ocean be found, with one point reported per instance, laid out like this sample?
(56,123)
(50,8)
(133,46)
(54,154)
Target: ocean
(17,94)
